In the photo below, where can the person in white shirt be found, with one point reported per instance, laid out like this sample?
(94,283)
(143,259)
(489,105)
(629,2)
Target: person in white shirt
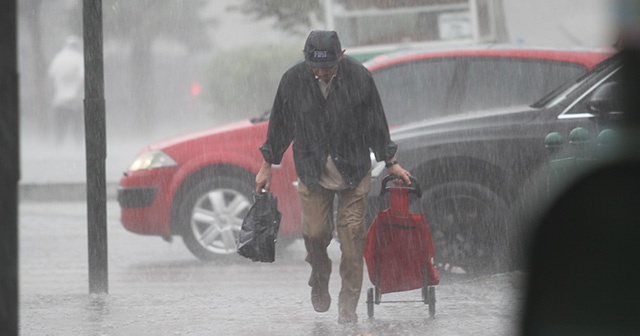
(67,74)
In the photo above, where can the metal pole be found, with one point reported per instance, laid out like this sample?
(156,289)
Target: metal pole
(96,153)
(475,23)
(9,168)
(328,15)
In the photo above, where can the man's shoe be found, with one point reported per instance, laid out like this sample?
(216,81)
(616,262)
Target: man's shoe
(320,299)
(347,317)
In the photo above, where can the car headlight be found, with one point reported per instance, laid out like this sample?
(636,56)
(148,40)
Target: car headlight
(151,160)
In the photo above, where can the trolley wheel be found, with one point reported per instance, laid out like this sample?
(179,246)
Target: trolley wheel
(425,293)
(431,300)
(370,302)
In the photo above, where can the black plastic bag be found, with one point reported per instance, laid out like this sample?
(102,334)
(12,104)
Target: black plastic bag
(257,239)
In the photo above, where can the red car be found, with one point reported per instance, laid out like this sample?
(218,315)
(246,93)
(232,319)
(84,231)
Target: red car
(200,185)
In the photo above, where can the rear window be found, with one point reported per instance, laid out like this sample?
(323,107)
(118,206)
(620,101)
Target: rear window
(424,89)
(416,90)
(495,83)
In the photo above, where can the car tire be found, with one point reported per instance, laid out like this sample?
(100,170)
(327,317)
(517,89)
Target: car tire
(211,215)
(468,222)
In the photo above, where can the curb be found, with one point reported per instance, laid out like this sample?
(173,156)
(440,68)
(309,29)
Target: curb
(60,192)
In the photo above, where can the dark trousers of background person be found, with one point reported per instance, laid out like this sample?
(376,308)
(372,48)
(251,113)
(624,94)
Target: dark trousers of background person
(68,123)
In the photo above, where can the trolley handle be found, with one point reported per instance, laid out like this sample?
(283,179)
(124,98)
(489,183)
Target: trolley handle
(413,188)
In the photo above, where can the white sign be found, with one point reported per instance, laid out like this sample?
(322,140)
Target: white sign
(454,26)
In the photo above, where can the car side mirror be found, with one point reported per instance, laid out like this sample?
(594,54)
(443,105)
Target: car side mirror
(606,103)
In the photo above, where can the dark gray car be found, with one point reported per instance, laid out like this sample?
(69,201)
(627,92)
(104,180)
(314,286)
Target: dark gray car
(477,168)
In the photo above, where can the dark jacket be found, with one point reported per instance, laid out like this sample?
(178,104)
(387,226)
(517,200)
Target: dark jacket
(346,125)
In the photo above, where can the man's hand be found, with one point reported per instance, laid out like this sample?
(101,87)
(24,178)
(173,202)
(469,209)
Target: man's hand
(263,179)
(400,172)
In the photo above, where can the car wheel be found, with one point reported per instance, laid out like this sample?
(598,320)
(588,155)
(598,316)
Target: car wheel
(212,214)
(468,225)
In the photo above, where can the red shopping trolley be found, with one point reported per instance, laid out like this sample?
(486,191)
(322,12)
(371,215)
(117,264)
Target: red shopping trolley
(399,250)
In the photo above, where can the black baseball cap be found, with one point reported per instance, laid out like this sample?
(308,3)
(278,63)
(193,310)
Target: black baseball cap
(322,49)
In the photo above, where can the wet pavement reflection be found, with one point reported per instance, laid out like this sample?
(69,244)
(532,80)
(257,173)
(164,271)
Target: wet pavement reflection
(156,288)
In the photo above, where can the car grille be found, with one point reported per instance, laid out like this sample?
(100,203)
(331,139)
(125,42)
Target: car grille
(138,197)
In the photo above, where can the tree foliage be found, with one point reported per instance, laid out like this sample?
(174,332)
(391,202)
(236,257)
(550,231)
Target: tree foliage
(30,12)
(293,16)
(146,20)
(138,24)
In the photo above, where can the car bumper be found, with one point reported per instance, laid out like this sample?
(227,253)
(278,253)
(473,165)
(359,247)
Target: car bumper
(145,202)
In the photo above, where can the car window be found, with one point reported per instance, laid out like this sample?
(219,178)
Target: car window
(414,91)
(503,82)
(579,107)
(562,91)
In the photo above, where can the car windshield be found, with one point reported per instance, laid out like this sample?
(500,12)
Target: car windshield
(558,94)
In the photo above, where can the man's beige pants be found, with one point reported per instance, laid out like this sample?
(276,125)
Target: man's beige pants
(317,231)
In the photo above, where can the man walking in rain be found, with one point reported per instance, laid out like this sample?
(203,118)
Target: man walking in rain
(67,73)
(329,107)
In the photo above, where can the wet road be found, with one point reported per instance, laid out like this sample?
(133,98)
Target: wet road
(159,288)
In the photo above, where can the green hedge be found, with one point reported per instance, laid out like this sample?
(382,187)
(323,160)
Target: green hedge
(242,83)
